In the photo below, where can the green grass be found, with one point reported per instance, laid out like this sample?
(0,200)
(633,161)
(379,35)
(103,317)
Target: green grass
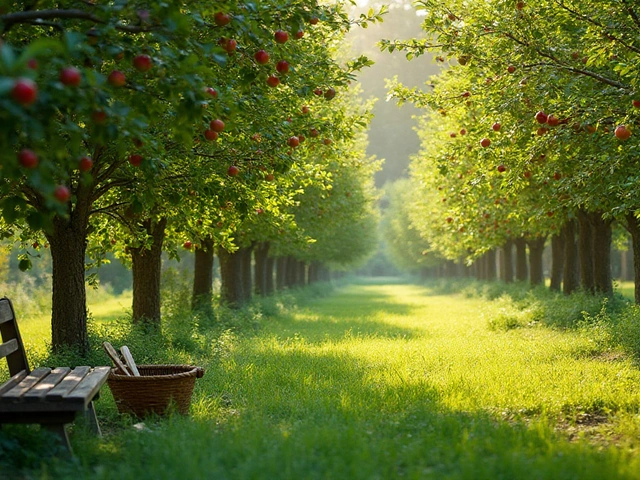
(383,381)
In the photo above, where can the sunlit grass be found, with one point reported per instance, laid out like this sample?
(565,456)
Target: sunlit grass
(389,381)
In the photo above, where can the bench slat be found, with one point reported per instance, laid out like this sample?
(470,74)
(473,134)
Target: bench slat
(13,381)
(70,382)
(40,390)
(7,348)
(6,315)
(89,386)
(25,385)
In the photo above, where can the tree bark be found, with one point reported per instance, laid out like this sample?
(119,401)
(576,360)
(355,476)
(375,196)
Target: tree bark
(557,261)
(146,268)
(536,249)
(521,259)
(570,274)
(245,254)
(281,272)
(269,285)
(261,270)
(490,258)
(68,243)
(231,293)
(302,273)
(602,237)
(585,249)
(292,271)
(507,261)
(633,225)
(203,276)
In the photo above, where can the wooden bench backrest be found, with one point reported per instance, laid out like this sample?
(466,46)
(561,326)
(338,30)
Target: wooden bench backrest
(12,347)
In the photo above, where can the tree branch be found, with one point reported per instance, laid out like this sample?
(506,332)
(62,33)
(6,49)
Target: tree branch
(632,13)
(29,16)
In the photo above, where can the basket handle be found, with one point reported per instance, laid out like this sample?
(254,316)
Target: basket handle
(199,372)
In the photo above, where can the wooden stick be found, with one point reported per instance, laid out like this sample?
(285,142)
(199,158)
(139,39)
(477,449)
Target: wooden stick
(128,359)
(115,358)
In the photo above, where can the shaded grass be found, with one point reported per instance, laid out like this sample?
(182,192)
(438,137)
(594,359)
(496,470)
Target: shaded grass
(382,381)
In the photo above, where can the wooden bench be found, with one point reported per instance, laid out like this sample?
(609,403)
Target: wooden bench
(50,397)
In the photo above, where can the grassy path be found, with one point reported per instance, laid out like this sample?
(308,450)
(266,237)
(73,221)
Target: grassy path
(391,381)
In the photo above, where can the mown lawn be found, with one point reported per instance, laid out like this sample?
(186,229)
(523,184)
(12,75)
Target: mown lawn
(385,381)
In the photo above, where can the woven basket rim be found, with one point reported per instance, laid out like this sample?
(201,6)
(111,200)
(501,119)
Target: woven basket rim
(183,371)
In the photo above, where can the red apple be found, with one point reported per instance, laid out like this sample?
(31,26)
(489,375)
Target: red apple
(299,34)
(232,171)
(466,94)
(485,142)
(313,20)
(511,68)
(527,174)
(541,117)
(496,127)
(282,66)
(281,36)
(463,132)
(553,121)
(262,57)
(622,133)
(542,131)
(302,138)
(273,81)
(211,91)
(142,63)
(211,135)
(520,5)
(85,164)
(32,64)
(216,125)
(557,176)
(449,219)
(305,109)
(135,159)
(314,132)
(28,158)
(635,103)
(187,245)
(99,117)
(453,134)
(317,91)
(330,94)
(327,141)
(62,194)
(70,76)
(549,214)
(221,19)
(117,78)
(293,141)
(502,168)
(24,91)
(269,177)
(137,142)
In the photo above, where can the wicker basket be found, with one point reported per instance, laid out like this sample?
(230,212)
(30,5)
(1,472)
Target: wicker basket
(157,387)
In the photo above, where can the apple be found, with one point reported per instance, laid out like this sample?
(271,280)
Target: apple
(313,20)
(62,194)
(449,219)
(305,109)
(142,63)
(527,174)
(553,121)
(137,142)
(262,57)
(541,117)
(273,81)
(302,138)
(24,91)
(317,91)
(511,68)
(635,103)
(557,176)
(232,171)
(269,177)
(281,36)
(85,164)
(330,94)
(293,141)
(187,245)
(453,134)
(32,64)
(216,125)
(463,132)
(231,45)
(519,5)
(314,132)
(502,168)
(299,34)
(496,127)
(549,214)
(221,19)
(542,131)
(116,78)
(70,76)
(211,91)
(282,66)
(622,133)
(327,141)
(135,159)
(466,94)
(485,142)
(28,158)
(210,135)
(99,117)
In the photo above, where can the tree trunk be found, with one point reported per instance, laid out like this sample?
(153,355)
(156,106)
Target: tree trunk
(570,274)
(585,249)
(291,272)
(491,265)
(633,225)
(507,261)
(601,232)
(203,276)
(231,293)
(146,268)
(269,285)
(261,270)
(245,265)
(302,273)
(557,261)
(68,243)
(536,249)
(521,259)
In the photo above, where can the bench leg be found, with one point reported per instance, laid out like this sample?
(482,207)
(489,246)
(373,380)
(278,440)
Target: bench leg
(59,430)
(92,420)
